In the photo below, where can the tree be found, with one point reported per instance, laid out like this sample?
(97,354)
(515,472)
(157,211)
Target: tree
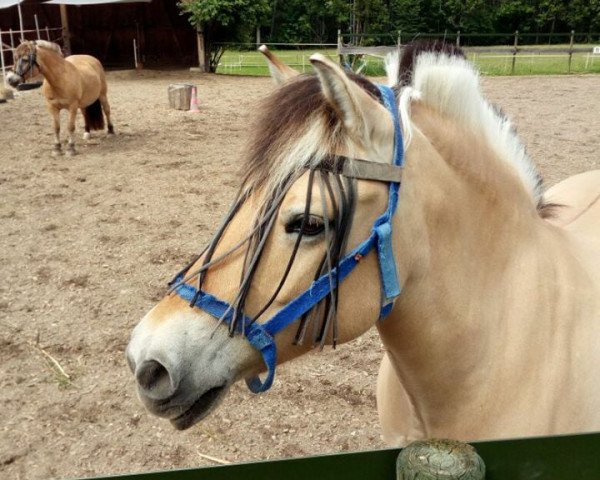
(549,13)
(370,16)
(584,15)
(407,16)
(297,21)
(470,15)
(224,21)
(514,15)
(317,21)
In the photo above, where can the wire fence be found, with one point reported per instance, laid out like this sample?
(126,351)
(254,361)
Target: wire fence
(494,54)
(466,39)
(243,58)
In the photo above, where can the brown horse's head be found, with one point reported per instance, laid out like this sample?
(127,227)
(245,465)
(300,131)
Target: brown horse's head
(26,64)
(293,221)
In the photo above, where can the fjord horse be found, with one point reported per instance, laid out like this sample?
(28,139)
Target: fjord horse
(76,82)
(491,294)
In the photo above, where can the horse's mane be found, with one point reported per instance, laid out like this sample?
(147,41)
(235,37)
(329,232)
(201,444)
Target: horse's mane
(297,128)
(49,46)
(440,76)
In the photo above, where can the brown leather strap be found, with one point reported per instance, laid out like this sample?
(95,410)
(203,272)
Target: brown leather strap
(362,169)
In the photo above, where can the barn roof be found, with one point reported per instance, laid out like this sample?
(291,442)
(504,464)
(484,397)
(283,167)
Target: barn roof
(9,3)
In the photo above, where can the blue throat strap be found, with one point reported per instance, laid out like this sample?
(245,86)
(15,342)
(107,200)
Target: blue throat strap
(261,336)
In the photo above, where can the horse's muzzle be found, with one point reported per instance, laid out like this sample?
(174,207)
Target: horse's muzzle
(181,372)
(13,79)
(166,395)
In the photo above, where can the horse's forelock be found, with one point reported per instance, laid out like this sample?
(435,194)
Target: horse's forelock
(25,48)
(296,125)
(29,47)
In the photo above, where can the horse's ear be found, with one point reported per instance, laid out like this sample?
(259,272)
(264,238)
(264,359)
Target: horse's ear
(280,72)
(360,113)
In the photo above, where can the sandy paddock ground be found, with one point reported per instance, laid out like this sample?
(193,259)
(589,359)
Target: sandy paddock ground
(86,247)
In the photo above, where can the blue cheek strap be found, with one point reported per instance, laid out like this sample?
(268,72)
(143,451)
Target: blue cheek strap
(262,336)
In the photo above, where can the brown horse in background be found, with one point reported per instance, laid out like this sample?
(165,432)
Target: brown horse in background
(71,83)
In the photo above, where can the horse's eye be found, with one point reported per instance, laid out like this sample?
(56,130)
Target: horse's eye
(313,226)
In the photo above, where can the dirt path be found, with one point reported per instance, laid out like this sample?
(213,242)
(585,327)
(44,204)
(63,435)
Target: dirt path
(87,244)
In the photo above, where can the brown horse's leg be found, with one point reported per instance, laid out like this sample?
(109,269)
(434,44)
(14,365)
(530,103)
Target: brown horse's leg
(106,108)
(55,112)
(72,114)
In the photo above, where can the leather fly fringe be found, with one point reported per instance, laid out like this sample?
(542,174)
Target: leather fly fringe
(341,193)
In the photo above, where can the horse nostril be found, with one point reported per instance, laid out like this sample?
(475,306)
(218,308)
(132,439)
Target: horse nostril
(154,378)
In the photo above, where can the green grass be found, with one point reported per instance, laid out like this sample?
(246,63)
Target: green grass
(537,64)
(253,63)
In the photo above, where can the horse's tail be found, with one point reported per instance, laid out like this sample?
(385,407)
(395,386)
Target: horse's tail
(93,116)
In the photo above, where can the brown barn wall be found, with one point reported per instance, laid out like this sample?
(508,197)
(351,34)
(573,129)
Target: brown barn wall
(107,31)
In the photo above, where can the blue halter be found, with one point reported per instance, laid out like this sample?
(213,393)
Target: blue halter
(261,336)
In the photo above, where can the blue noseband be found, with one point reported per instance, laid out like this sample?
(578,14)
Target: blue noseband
(261,336)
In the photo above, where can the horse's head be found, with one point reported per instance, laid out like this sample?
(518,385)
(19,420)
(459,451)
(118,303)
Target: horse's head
(306,201)
(26,64)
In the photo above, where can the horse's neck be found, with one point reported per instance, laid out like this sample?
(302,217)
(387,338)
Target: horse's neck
(475,261)
(52,66)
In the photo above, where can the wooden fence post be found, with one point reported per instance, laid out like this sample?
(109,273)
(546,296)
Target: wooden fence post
(432,459)
(458,38)
(66,34)
(515,49)
(399,41)
(339,47)
(201,53)
(571,50)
